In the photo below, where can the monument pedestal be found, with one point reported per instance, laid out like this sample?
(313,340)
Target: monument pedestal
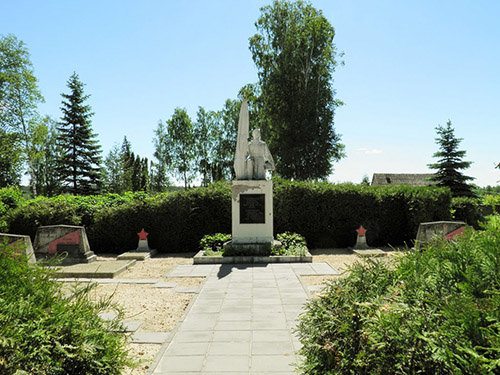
(252,218)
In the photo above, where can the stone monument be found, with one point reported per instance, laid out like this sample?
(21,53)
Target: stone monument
(51,240)
(447,229)
(361,239)
(20,244)
(252,193)
(142,252)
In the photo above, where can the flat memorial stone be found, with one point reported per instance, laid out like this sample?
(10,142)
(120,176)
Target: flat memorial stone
(370,253)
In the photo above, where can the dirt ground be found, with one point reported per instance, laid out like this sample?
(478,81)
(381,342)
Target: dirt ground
(161,308)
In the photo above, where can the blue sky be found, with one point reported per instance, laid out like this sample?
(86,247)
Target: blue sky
(409,66)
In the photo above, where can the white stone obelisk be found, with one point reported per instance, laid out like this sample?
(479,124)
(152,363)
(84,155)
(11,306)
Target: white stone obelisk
(240,167)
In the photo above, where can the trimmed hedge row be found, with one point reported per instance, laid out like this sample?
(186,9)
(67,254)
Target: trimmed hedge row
(325,214)
(328,215)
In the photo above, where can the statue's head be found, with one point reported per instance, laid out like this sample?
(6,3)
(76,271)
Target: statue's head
(256,134)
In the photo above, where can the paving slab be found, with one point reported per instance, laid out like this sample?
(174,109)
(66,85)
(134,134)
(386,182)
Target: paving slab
(165,285)
(99,269)
(240,322)
(143,337)
(187,289)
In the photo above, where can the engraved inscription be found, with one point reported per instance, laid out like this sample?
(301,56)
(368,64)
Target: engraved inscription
(252,209)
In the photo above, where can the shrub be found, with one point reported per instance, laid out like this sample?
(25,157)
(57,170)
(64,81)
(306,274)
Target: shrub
(291,244)
(468,210)
(214,242)
(10,198)
(176,221)
(430,312)
(41,211)
(327,214)
(44,330)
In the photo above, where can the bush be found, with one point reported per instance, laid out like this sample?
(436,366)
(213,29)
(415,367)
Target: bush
(326,214)
(291,244)
(10,198)
(176,221)
(430,312)
(41,211)
(468,210)
(44,330)
(214,242)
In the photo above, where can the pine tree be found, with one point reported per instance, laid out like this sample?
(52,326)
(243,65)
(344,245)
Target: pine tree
(450,162)
(79,165)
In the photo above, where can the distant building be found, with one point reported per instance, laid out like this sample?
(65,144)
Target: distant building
(411,179)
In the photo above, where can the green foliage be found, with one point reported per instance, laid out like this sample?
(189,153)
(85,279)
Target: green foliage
(125,171)
(430,312)
(175,145)
(291,244)
(211,243)
(467,209)
(328,215)
(19,97)
(41,211)
(176,221)
(79,166)
(45,330)
(10,198)
(11,162)
(450,162)
(294,53)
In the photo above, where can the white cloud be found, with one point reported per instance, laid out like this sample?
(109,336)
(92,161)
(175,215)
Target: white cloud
(373,151)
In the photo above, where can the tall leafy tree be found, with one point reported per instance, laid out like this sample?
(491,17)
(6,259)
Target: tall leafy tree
(178,145)
(48,155)
(225,140)
(11,160)
(159,169)
(19,97)
(295,55)
(113,171)
(79,166)
(204,134)
(450,162)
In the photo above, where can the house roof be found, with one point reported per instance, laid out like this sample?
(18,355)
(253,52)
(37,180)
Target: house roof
(412,179)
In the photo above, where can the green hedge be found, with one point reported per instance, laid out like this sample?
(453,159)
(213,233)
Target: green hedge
(327,215)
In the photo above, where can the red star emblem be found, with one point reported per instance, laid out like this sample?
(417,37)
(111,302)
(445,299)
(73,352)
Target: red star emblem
(143,234)
(361,231)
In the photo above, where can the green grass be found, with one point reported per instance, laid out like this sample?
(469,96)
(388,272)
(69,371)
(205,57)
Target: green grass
(45,330)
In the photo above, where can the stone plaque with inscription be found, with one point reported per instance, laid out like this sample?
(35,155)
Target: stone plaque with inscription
(252,208)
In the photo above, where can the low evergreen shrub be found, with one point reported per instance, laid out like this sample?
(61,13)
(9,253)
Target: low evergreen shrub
(47,331)
(432,312)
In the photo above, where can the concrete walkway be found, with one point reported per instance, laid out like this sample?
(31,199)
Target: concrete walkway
(241,321)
